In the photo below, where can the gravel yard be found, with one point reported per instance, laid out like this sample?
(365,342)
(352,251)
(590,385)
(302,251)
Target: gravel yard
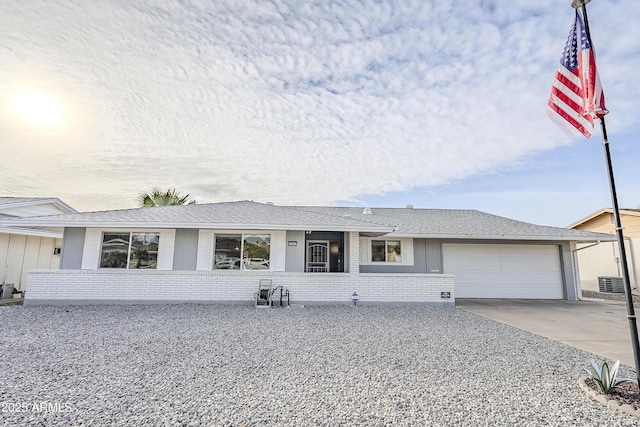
(320,365)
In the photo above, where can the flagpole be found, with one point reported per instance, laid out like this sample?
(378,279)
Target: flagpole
(633,327)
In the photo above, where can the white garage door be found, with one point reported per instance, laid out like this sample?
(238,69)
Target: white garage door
(504,271)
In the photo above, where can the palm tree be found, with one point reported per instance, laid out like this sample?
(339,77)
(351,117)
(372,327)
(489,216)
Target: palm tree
(159,198)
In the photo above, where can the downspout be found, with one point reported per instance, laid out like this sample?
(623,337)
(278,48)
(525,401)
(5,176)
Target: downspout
(576,268)
(633,264)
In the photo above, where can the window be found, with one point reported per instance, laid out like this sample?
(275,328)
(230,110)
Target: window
(386,251)
(389,252)
(242,251)
(129,250)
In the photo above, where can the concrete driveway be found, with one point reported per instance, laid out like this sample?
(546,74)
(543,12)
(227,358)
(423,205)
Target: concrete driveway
(599,327)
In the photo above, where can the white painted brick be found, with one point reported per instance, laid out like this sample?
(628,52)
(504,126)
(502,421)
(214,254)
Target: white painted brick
(226,286)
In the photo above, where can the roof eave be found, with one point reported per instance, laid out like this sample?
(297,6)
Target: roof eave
(66,206)
(378,230)
(590,217)
(45,201)
(604,238)
(600,212)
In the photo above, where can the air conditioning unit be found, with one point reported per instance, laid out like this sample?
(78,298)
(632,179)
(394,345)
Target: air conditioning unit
(611,284)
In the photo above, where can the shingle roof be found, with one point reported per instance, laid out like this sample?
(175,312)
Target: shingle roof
(227,215)
(427,223)
(456,223)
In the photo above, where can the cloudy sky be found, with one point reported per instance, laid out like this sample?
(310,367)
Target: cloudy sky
(435,103)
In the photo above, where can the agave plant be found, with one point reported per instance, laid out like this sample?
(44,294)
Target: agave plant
(605,377)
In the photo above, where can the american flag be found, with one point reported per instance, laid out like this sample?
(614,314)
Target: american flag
(576,94)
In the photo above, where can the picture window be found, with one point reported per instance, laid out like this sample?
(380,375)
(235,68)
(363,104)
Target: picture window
(131,250)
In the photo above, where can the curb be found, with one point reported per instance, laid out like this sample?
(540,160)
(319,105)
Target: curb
(606,400)
(11,301)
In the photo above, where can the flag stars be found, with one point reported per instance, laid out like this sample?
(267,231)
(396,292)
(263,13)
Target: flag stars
(584,40)
(569,58)
(570,55)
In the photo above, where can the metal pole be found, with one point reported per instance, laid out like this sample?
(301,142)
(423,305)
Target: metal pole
(633,327)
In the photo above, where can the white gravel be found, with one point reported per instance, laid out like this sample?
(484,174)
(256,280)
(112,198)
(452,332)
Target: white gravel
(321,365)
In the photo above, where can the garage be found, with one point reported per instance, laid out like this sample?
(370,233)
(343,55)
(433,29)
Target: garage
(504,271)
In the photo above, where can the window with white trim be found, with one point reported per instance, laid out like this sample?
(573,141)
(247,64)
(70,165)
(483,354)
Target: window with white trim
(242,251)
(131,250)
(386,251)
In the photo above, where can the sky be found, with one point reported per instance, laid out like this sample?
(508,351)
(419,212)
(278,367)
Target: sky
(379,103)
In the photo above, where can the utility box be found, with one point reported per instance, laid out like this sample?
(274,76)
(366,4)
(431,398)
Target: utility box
(611,284)
(6,291)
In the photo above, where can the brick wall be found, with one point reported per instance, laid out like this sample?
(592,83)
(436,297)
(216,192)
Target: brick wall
(115,286)
(354,252)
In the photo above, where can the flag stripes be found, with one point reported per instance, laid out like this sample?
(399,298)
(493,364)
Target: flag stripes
(576,94)
(567,103)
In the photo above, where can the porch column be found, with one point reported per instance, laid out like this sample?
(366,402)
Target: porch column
(354,253)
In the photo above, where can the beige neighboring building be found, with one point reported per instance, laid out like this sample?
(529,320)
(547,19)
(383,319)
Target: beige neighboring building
(603,260)
(25,248)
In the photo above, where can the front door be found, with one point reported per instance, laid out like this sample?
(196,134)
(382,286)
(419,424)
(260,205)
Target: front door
(317,256)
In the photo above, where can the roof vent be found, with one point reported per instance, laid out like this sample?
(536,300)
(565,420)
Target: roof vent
(409,206)
(367,211)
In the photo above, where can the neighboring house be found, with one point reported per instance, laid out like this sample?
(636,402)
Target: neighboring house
(25,248)
(219,252)
(603,260)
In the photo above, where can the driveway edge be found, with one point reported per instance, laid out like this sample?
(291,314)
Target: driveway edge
(605,400)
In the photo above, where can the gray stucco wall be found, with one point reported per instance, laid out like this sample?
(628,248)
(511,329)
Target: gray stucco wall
(72,248)
(185,251)
(294,255)
(434,256)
